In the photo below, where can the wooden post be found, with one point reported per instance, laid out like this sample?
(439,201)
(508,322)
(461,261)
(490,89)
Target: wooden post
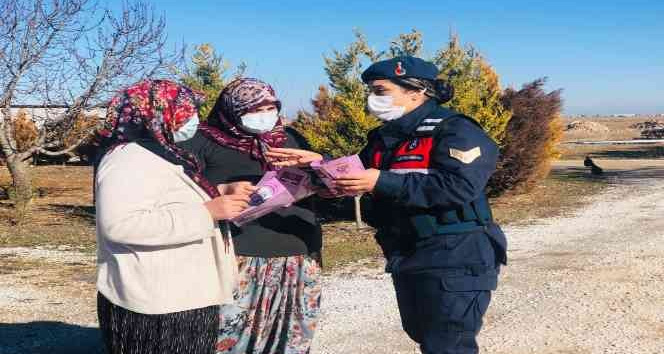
(358,212)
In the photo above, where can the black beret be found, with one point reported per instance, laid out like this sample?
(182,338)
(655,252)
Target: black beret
(400,67)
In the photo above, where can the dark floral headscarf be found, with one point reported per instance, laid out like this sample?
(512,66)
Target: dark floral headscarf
(148,113)
(236,99)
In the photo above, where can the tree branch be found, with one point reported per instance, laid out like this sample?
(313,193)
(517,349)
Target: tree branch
(49,49)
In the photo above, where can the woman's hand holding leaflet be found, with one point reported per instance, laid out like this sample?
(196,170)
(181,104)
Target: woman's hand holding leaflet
(233,200)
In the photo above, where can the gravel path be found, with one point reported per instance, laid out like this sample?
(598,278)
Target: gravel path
(589,283)
(45,310)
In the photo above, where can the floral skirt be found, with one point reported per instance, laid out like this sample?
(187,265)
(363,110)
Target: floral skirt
(275,309)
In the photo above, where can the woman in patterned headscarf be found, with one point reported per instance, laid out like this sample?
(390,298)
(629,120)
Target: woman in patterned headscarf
(163,265)
(277,299)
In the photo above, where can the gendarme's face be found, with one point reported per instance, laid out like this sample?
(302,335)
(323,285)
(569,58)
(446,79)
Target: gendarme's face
(401,96)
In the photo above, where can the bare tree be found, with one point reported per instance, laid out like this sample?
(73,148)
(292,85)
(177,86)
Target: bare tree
(72,53)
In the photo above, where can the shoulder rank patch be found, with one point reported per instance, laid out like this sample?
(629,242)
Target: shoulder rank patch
(466,156)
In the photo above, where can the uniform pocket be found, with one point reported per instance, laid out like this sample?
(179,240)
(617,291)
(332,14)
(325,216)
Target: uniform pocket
(437,306)
(465,310)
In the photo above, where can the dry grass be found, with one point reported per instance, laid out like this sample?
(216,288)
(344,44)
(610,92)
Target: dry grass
(10,264)
(343,243)
(40,272)
(619,128)
(65,216)
(558,195)
(578,152)
(555,196)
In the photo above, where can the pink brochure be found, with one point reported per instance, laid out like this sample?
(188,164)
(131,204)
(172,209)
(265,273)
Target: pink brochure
(343,166)
(270,196)
(328,171)
(296,181)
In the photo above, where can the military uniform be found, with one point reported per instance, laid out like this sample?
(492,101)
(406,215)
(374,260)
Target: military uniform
(432,217)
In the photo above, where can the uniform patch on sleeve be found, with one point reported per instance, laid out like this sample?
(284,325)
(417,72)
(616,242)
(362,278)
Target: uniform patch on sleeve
(466,156)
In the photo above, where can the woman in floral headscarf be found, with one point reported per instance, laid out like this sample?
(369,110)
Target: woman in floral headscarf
(277,299)
(163,265)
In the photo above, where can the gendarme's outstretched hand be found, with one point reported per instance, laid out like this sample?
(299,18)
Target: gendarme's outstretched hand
(287,157)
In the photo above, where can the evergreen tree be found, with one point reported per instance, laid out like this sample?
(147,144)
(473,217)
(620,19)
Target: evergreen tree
(477,91)
(207,73)
(339,123)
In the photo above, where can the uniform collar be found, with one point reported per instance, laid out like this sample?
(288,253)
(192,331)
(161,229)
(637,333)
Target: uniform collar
(404,127)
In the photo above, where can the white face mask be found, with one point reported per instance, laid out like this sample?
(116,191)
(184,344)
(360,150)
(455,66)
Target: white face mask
(383,108)
(260,122)
(188,130)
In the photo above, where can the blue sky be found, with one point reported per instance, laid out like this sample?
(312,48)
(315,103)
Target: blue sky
(607,56)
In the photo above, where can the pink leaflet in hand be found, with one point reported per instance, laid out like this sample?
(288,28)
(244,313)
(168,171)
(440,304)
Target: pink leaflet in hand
(270,196)
(328,171)
(343,166)
(296,181)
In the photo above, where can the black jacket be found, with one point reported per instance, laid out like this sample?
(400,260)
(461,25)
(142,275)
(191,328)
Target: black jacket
(287,232)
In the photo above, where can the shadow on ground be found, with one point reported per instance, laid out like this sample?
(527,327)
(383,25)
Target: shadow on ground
(49,337)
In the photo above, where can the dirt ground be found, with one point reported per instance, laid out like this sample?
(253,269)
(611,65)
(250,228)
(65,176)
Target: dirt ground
(589,282)
(47,262)
(47,292)
(618,129)
(64,216)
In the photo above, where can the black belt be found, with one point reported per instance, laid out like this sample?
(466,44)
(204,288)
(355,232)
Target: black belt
(459,228)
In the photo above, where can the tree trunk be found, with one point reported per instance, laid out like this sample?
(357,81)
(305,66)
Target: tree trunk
(22,185)
(358,212)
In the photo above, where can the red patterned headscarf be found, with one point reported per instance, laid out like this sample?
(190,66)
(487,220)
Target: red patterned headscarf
(148,113)
(223,123)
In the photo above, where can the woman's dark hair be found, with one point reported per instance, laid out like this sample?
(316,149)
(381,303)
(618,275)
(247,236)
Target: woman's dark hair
(438,89)
(444,91)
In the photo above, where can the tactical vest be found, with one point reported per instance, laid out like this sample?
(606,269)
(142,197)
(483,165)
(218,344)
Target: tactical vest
(414,155)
